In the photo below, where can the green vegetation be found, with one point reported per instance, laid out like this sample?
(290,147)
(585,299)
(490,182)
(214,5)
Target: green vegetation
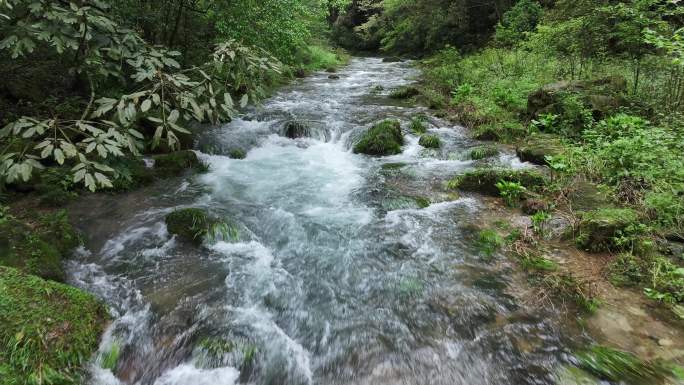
(405,92)
(485,180)
(615,365)
(593,90)
(237,153)
(37,247)
(429,141)
(483,152)
(384,138)
(489,242)
(418,124)
(196,225)
(48,330)
(176,162)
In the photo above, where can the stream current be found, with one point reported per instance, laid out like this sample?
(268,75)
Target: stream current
(338,276)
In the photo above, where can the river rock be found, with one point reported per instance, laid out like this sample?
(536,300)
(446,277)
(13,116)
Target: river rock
(484,181)
(598,228)
(296,129)
(176,162)
(384,138)
(190,224)
(537,147)
(300,73)
(334,77)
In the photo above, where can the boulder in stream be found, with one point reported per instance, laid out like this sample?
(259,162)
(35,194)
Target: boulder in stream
(334,77)
(384,138)
(176,162)
(190,224)
(296,129)
(392,59)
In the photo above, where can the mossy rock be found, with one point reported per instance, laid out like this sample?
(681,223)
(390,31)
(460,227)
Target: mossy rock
(484,181)
(385,138)
(483,152)
(418,124)
(392,59)
(176,162)
(190,224)
(487,133)
(331,70)
(404,92)
(598,228)
(587,196)
(134,174)
(237,153)
(38,249)
(296,129)
(48,330)
(537,147)
(429,141)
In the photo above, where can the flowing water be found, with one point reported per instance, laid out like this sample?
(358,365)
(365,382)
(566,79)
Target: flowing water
(338,275)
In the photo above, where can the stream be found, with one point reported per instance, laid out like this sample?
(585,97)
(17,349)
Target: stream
(337,276)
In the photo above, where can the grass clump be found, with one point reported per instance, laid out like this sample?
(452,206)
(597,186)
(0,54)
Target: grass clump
(405,92)
(484,181)
(47,330)
(418,124)
(484,151)
(196,225)
(384,138)
(616,365)
(429,141)
(489,242)
(237,153)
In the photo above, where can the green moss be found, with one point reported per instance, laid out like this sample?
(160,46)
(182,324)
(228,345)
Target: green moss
(404,92)
(599,229)
(484,181)
(176,162)
(38,249)
(429,141)
(615,365)
(538,263)
(489,241)
(423,202)
(47,330)
(385,138)
(190,224)
(536,148)
(393,166)
(482,152)
(237,153)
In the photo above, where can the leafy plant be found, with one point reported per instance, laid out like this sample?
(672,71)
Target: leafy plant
(540,221)
(489,241)
(510,191)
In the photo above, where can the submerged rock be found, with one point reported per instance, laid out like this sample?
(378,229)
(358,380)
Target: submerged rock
(176,162)
(384,138)
(189,224)
(537,147)
(598,229)
(334,77)
(484,181)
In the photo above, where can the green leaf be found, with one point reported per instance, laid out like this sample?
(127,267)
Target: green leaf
(146,105)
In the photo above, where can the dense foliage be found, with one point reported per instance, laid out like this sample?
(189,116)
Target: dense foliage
(131,77)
